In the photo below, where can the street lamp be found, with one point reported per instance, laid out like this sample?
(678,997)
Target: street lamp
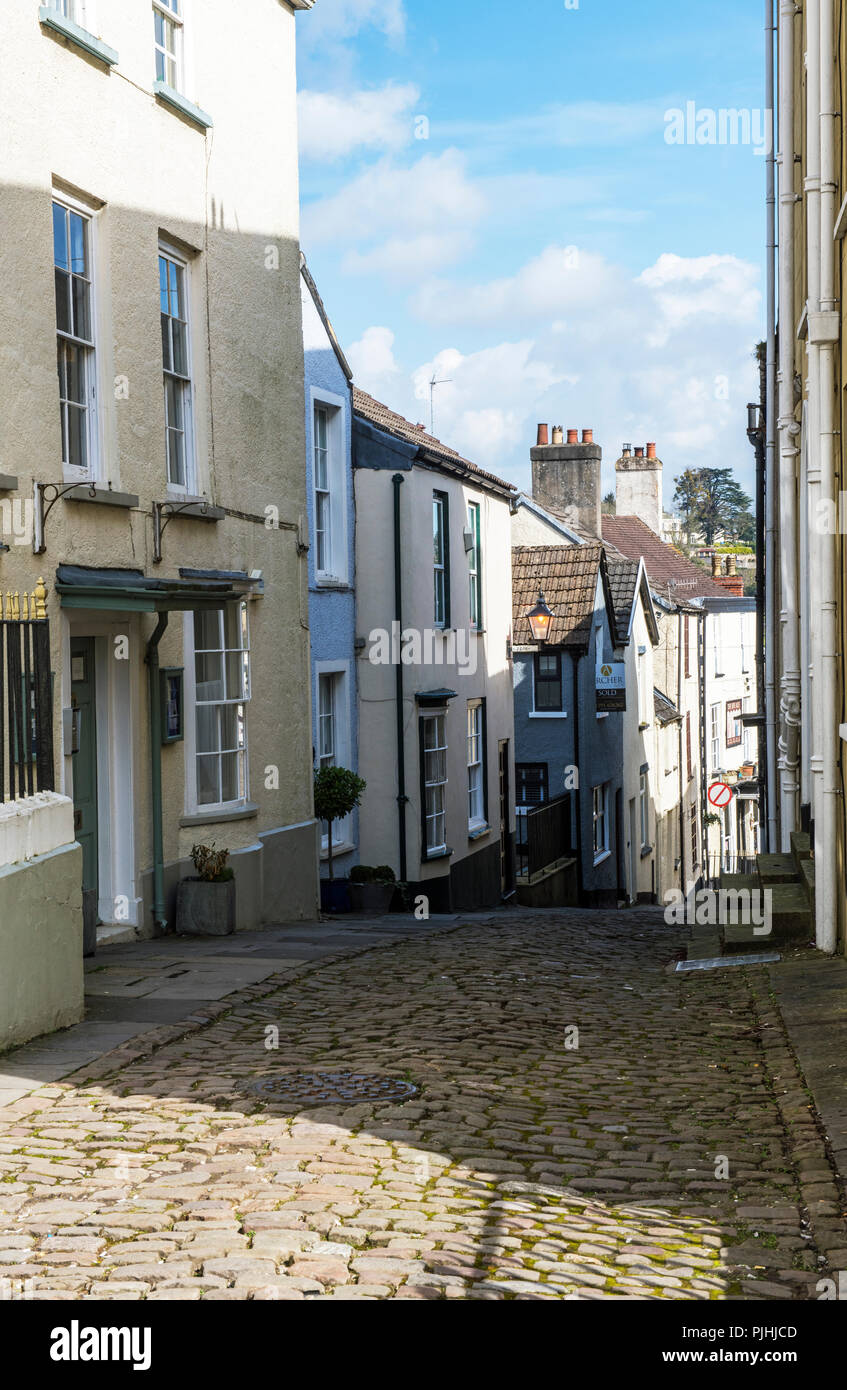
(540,618)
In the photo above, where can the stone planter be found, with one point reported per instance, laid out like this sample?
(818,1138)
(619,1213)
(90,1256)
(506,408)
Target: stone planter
(205,909)
(374,898)
(335,895)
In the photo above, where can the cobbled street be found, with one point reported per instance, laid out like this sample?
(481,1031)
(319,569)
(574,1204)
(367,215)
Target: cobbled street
(588,1125)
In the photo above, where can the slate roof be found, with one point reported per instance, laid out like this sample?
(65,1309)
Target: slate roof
(623,574)
(568,576)
(665,710)
(667,570)
(388,420)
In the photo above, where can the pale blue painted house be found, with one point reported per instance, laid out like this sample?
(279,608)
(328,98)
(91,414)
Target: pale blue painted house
(332,599)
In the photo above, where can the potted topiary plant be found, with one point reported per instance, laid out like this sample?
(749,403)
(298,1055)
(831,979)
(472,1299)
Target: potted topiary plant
(371,890)
(338,791)
(205,901)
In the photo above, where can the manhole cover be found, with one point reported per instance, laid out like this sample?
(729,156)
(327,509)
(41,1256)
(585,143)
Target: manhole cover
(304,1088)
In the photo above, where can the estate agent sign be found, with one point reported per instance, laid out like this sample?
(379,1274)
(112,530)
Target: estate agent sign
(611,687)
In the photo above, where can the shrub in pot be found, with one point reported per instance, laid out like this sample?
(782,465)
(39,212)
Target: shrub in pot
(338,791)
(371,889)
(205,901)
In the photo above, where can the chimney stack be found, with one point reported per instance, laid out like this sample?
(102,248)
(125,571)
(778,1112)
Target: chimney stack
(730,580)
(638,486)
(566,479)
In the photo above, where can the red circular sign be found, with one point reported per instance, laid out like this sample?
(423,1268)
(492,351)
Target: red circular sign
(720,794)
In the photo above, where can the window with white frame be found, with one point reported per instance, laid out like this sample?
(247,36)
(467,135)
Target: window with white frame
(323,492)
(72,269)
(476,765)
(221,696)
(176,366)
(644,809)
(169,42)
(600,797)
(475,565)
(715,736)
(645,694)
(440,561)
(434,778)
(73,10)
(332,738)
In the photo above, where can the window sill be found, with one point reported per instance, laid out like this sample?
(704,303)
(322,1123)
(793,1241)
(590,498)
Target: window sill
(8,483)
(51,19)
(90,492)
(338,849)
(179,103)
(476,832)
(330,582)
(603,714)
(245,812)
(432,855)
(548,714)
(601,858)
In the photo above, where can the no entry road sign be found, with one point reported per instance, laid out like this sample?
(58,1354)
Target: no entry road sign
(720,794)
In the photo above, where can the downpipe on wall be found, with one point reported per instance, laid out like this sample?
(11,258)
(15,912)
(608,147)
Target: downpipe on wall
(770,446)
(155,713)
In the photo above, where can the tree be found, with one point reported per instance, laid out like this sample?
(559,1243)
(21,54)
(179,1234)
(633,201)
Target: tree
(608,506)
(710,500)
(337,792)
(686,499)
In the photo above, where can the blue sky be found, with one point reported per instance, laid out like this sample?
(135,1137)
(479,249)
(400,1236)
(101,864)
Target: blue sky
(488,193)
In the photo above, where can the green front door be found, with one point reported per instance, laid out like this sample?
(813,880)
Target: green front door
(84,707)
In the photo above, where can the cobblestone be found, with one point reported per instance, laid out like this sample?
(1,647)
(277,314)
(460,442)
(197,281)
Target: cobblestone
(673,1154)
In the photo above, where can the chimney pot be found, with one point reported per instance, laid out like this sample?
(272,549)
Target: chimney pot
(730,564)
(557,434)
(588,436)
(639,452)
(573,436)
(627,450)
(716,566)
(543,434)
(651,451)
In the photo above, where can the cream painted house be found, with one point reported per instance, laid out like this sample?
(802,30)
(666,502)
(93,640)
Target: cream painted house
(433,614)
(149,225)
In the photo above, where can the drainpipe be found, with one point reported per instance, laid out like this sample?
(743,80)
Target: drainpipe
(683,760)
(402,799)
(575,664)
(788,430)
(770,551)
(152,659)
(810,649)
(827,332)
(702,620)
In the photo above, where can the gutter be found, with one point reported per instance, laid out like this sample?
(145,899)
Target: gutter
(402,799)
(155,713)
(790,692)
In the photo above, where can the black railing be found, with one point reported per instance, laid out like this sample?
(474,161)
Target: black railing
(26,696)
(543,835)
(730,864)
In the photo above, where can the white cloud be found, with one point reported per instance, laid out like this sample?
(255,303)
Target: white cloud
(341,19)
(372,360)
(665,355)
(432,203)
(333,124)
